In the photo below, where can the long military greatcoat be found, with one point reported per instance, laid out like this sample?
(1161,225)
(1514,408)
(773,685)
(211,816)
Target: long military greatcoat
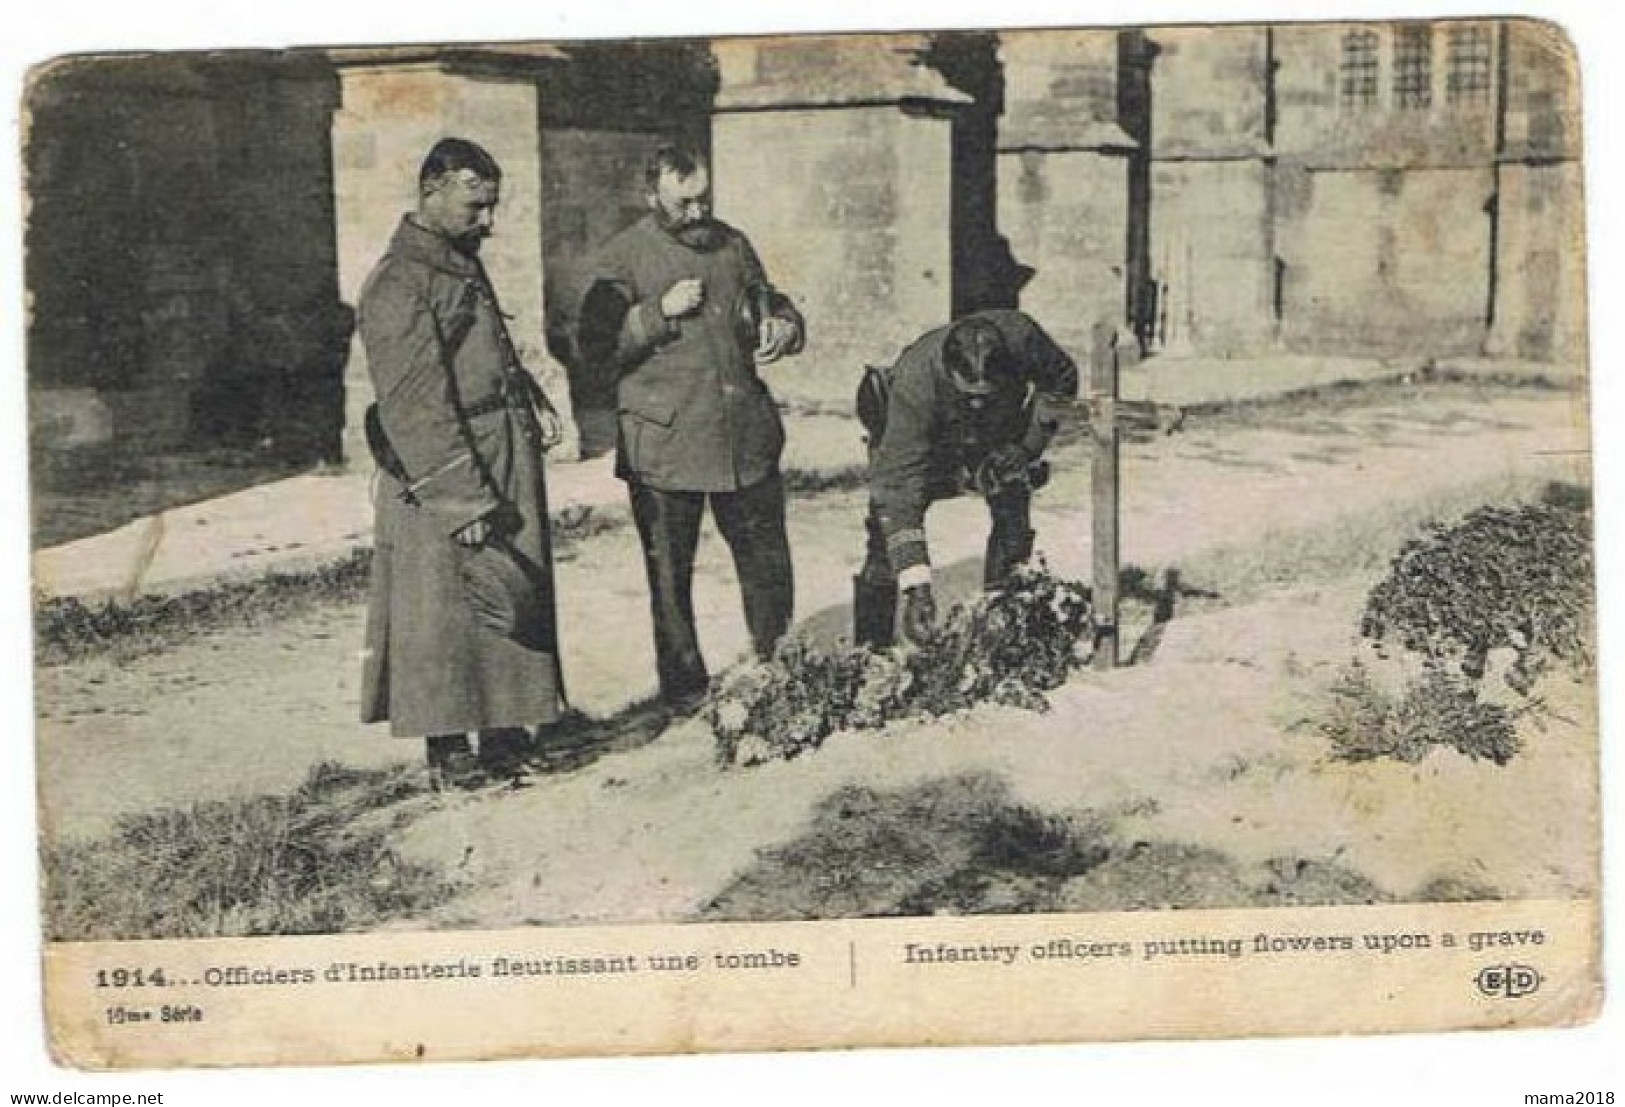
(456,407)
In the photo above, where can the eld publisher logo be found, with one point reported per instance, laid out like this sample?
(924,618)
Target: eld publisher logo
(1508,981)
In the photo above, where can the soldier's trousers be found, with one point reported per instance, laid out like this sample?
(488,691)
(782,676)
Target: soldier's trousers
(751,521)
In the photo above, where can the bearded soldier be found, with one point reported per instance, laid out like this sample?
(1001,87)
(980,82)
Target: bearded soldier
(679,314)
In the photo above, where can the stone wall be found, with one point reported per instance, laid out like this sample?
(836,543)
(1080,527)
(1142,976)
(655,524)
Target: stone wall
(845,189)
(849,211)
(1432,209)
(1063,183)
(1540,305)
(1065,213)
(1540,308)
(1388,261)
(1208,98)
(198,224)
(1386,186)
(1212,237)
(1212,219)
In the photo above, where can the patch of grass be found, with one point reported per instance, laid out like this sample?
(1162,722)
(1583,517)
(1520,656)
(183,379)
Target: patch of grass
(1512,577)
(1156,876)
(1161,876)
(937,846)
(78,493)
(67,629)
(1317,403)
(962,845)
(315,861)
(1307,882)
(1452,888)
(1365,722)
(1557,381)
(1503,577)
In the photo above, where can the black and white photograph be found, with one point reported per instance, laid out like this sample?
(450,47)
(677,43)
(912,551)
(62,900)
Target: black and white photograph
(805,540)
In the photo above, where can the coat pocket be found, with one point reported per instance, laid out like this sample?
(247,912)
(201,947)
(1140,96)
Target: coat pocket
(647,430)
(766,424)
(662,413)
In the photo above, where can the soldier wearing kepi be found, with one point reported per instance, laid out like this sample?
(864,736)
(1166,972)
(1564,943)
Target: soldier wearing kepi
(461,635)
(680,314)
(968,406)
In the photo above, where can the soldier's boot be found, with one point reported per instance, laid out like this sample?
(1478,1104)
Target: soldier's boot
(451,761)
(1007,550)
(874,612)
(505,753)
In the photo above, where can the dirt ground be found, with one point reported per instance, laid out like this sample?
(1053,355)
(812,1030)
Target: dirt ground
(1202,743)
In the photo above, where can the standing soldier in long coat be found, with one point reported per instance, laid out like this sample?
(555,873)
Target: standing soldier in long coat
(679,314)
(461,633)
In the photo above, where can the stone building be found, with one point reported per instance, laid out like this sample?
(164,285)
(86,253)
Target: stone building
(1407,189)
(199,224)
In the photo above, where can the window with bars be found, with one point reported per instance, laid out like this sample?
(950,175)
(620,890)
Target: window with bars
(1357,87)
(1467,72)
(1413,66)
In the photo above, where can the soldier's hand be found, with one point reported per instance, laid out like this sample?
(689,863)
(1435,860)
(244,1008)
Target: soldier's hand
(919,613)
(552,427)
(473,535)
(774,339)
(1011,460)
(1002,468)
(683,298)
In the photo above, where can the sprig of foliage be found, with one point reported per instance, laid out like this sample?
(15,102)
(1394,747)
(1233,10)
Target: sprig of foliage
(1367,722)
(1518,578)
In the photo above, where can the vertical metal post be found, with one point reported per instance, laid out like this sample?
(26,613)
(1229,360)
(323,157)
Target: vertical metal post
(1103,425)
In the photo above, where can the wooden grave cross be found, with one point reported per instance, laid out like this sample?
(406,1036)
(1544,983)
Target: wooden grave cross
(1108,414)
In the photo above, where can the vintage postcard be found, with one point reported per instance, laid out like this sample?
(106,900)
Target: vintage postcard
(770,543)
